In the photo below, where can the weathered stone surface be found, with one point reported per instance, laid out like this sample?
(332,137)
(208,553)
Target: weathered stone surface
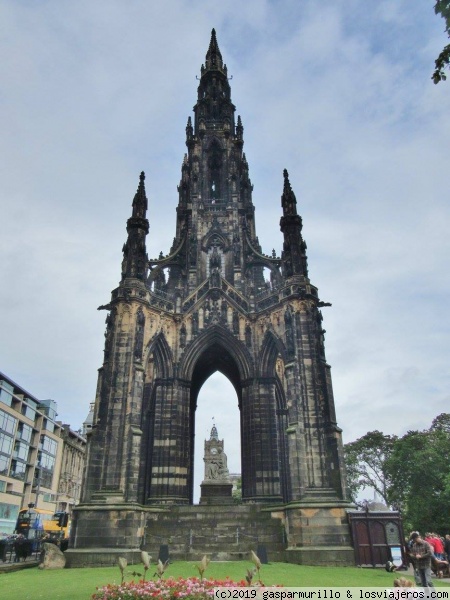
(52,557)
(206,306)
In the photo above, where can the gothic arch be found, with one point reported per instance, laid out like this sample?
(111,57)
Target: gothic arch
(215,144)
(215,169)
(271,348)
(159,350)
(213,339)
(211,239)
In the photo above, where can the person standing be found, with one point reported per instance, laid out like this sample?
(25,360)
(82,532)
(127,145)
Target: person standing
(411,559)
(421,552)
(447,546)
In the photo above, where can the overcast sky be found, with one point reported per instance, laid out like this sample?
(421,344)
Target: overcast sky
(337,91)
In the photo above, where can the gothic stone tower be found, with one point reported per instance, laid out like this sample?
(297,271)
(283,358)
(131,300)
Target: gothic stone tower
(204,307)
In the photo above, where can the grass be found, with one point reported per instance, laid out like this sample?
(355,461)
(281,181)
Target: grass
(80,584)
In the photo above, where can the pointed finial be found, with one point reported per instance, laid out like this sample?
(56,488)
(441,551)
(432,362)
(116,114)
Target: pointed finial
(288,199)
(140,199)
(213,39)
(287,184)
(213,56)
(214,433)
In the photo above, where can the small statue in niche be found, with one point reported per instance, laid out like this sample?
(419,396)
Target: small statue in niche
(248,335)
(215,278)
(288,326)
(139,339)
(195,323)
(109,332)
(235,322)
(183,336)
(224,311)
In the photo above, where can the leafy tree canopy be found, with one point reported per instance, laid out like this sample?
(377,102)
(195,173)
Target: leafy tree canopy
(420,467)
(411,473)
(365,460)
(442,7)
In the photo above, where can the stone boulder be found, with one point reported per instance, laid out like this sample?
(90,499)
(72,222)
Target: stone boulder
(51,557)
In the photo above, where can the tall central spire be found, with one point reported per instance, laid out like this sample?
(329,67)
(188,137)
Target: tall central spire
(214,104)
(216,231)
(213,56)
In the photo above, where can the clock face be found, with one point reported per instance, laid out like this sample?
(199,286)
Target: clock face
(213,450)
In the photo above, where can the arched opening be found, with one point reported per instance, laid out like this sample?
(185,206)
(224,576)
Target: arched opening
(215,172)
(217,399)
(215,368)
(172,424)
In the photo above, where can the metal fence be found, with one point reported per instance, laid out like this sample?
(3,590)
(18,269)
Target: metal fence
(13,551)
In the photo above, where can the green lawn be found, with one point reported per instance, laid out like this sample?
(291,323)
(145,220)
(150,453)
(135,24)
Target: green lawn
(80,584)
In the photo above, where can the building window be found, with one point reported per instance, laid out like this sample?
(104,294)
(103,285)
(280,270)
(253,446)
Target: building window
(49,497)
(4,464)
(7,422)
(48,445)
(48,426)
(21,451)
(28,412)
(8,517)
(24,432)
(6,443)
(46,461)
(6,392)
(18,469)
(46,478)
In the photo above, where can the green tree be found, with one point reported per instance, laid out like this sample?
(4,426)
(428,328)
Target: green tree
(411,473)
(442,7)
(419,466)
(365,461)
(441,422)
(237,492)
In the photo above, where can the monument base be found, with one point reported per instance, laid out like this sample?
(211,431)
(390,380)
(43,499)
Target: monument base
(216,493)
(318,533)
(307,533)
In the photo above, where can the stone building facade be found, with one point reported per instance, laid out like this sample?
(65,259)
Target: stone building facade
(72,467)
(203,307)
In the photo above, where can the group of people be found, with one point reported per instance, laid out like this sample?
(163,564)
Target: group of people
(15,545)
(428,554)
(440,545)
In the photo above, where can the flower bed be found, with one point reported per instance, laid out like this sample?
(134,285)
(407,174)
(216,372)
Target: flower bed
(164,589)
